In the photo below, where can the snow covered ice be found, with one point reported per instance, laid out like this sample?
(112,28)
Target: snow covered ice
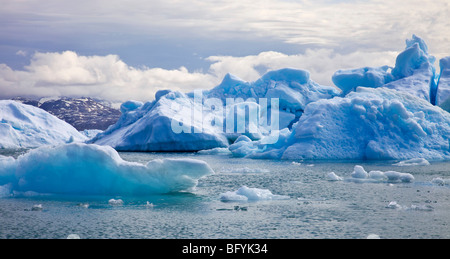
(251,194)
(86,169)
(360,175)
(25,126)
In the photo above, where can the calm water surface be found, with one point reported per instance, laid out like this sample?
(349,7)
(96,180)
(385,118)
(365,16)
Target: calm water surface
(317,208)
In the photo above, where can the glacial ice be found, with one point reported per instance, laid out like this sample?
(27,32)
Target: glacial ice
(25,126)
(150,128)
(413,162)
(245,193)
(371,123)
(169,123)
(96,170)
(414,72)
(360,175)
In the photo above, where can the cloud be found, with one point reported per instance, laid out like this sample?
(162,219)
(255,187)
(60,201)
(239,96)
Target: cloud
(368,24)
(108,77)
(105,77)
(321,63)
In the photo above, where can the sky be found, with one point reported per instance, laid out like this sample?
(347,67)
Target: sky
(128,50)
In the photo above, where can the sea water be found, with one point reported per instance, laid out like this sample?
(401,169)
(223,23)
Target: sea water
(316,207)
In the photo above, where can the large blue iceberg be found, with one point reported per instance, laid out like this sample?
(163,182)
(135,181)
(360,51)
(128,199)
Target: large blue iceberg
(183,122)
(25,126)
(370,123)
(84,169)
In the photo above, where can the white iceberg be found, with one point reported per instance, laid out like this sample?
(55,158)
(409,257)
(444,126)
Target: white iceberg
(332,176)
(84,169)
(25,126)
(360,175)
(251,194)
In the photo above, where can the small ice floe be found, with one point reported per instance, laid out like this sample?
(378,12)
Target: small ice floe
(414,162)
(83,205)
(395,205)
(360,175)
(246,170)
(114,202)
(215,151)
(149,205)
(373,236)
(333,177)
(251,194)
(296,163)
(37,207)
(73,236)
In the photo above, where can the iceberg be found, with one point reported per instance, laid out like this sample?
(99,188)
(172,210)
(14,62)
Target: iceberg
(413,162)
(25,126)
(87,169)
(245,194)
(150,127)
(206,119)
(369,124)
(360,175)
(414,72)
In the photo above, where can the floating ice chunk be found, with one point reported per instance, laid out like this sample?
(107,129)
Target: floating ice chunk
(73,236)
(215,151)
(413,162)
(423,207)
(115,202)
(26,126)
(396,176)
(37,207)
(333,177)
(251,194)
(149,205)
(98,170)
(377,175)
(373,236)
(360,175)
(246,170)
(393,205)
(359,172)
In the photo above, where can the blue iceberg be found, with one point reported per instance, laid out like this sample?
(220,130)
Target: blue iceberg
(198,120)
(371,123)
(25,126)
(414,72)
(86,169)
